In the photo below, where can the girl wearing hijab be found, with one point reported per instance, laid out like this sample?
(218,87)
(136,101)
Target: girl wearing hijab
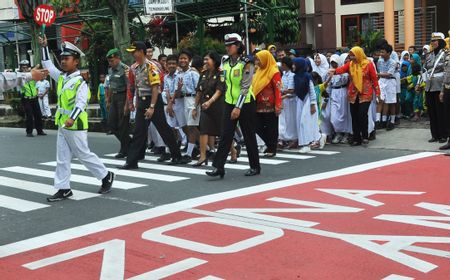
(406,98)
(307,115)
(288,117)
(340,108)
(320,65)
(363,81)
(266,86)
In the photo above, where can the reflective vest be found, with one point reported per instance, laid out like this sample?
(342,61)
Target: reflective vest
(29,90)
(66,103)
(233,76)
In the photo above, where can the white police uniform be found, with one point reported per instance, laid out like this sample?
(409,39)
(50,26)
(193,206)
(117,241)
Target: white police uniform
(72,143)
(10,80)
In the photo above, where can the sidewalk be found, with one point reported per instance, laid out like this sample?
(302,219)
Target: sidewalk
(408,135)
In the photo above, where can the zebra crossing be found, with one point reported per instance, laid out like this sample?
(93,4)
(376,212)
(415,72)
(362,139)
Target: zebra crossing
(150,172)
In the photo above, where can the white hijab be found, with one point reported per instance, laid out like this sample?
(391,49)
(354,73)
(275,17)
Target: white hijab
(342,59)
(323,68)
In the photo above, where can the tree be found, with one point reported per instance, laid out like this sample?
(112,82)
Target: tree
(120,26)
(27,9)
(160,33)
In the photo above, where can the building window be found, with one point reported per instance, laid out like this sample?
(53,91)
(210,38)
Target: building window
(350,2)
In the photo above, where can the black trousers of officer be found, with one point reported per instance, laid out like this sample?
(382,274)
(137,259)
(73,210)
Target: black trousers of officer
(247,122)
(33,115)
(119,123)
(435,110)
(447,112)
(267,129)
(139,140)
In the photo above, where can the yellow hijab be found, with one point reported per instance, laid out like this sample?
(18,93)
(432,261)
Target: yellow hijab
(264,72)
(356,68)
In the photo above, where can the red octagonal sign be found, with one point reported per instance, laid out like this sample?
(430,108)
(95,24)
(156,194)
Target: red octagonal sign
(44,14)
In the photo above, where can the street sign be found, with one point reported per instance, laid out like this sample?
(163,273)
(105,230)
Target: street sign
(44,14)
(158,7)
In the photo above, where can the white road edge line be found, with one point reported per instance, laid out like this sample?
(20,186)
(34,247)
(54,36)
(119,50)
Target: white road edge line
(79,231)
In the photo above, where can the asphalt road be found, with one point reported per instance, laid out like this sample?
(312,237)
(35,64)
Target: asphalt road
(151,187)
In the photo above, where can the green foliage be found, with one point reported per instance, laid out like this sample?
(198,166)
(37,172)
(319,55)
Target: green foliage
(369,40)
(286,20)
(16,105)
(191,42)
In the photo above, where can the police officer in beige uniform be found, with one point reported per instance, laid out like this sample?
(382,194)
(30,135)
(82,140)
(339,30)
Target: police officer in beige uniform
(150,108)
(118,117)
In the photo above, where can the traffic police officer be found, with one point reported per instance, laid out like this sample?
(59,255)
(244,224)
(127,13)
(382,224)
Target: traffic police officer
(445,98)
(118,117)
(30,103)
(72,121)
(150,108)
(240,106)
(434,77)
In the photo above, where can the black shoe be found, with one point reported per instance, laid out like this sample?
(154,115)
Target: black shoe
(216,172)
(180,160)
(232,161)
(121,155)
(238,150)
(200,163)
(442,140)
(60,195)
(41,133)
(128,166)
(30,135)
(445,147)
(390,126)
(210,155)
(107,183)
(164,157)
(269,155)
(373,135)
(365,142)
(355,143)
(378,125)
(253,172)
(432,140)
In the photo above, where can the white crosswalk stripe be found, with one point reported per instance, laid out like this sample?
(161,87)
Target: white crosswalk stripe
(20,204)
(129,173)
(287,156)
(149,170)
(89,180)
(39,188)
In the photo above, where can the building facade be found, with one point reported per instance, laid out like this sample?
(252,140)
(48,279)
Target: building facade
(328,25)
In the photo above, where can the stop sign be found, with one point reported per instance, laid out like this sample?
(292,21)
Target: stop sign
(44,14)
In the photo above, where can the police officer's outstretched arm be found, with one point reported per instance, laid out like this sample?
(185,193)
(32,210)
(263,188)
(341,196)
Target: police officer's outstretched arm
(46,61)
(10,80)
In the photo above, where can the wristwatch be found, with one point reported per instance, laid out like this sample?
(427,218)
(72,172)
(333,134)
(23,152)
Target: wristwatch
(152,106)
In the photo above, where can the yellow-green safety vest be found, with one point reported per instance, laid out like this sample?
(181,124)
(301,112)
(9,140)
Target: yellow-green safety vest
(66,104)
(29,90)
(233,76)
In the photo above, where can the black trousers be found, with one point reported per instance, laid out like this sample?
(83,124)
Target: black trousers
(267,129)
(119,123)
(33,115)
(247,122)
(447,112)
(435,109)
(360,120)
(139,141)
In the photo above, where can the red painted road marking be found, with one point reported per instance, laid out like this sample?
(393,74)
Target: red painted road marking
(299,231)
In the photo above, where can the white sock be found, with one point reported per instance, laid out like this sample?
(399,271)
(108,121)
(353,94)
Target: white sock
(167,150)
(378,117)
(384,118)
(190,149)
(393,119)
